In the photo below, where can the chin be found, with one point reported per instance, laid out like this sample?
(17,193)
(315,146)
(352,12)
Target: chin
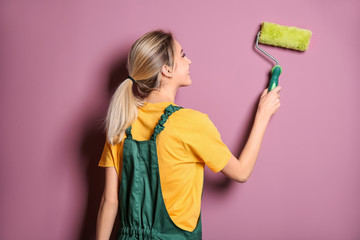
(187,82)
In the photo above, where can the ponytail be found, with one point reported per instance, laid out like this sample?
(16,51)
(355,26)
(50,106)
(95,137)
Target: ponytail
(122,111)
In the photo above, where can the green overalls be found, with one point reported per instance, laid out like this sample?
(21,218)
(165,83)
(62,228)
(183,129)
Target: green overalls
(141,205)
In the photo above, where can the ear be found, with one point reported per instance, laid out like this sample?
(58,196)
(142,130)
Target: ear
(166,71)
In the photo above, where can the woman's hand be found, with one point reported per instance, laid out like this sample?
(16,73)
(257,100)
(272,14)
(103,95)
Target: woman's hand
(269,102)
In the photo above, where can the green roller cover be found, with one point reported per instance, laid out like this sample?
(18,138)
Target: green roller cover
(284,36)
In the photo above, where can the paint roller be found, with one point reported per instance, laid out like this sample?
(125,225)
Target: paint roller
(281,36)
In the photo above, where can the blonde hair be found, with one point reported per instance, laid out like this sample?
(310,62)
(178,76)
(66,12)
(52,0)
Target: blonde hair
(147,56)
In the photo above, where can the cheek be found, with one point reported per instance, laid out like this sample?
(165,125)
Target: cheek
(182,69)
(185,69)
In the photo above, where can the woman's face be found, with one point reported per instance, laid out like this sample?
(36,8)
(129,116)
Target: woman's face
(181,75)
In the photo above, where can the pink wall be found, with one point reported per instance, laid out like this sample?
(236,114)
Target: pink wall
(61,60)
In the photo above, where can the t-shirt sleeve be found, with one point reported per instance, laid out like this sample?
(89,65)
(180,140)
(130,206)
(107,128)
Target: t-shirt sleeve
(204,141)
(111,155)
(107,157)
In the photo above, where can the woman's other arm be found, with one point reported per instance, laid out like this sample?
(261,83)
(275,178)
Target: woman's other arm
(108,206)
(240,169)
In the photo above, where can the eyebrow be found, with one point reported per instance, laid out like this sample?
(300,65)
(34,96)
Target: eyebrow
(181,51)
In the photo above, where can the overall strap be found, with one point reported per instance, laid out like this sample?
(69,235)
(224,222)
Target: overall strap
(128,132)
(160,126)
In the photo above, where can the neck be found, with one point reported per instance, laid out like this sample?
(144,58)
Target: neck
(164,95)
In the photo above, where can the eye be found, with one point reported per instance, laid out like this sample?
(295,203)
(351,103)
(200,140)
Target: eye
(183,55)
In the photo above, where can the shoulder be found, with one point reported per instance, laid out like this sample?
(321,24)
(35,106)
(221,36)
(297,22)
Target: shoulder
(116,147)
(191,116)
(191,121)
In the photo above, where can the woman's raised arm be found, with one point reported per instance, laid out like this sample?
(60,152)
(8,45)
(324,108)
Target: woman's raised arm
(240,169)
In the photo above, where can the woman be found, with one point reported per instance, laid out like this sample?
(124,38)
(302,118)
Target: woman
(154,171)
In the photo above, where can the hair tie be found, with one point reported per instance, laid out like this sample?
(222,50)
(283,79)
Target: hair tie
(133,80)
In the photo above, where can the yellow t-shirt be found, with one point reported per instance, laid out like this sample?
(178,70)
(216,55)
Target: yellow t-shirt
(188,142)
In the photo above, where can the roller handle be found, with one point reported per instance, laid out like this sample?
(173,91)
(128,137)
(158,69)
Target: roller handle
(274,81)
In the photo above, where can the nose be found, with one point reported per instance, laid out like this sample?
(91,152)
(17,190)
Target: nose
(189,60)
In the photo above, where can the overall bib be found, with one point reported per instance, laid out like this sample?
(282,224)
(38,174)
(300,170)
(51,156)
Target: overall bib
(141,205)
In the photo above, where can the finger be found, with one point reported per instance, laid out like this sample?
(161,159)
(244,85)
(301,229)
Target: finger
(264,92)
(277,89)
